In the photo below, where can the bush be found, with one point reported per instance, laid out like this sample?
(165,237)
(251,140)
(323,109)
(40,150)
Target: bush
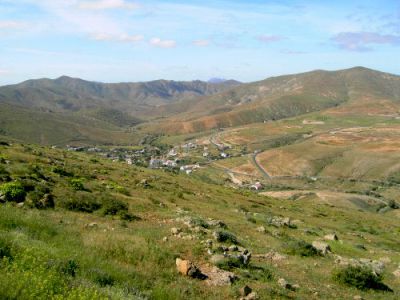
(81,203)
(62,172)
(300,248)
(362,278)
(39,200)
(113,207)
(69,267)
(13,191)
(127,216)
(225,236)
(77,184)
(230,263)
(101,277)
(5,249)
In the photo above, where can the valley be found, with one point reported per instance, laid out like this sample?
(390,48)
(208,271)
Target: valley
(289,187)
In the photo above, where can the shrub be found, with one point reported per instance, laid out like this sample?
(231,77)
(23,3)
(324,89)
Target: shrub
(225,236)
(39,200)
(69,267)
(230,263)
(62,172)
(361,278)
(101,277)
(300,248)
(127,216)
(77,184)
(13,191)
(5,249)
(82,203)
(113,207)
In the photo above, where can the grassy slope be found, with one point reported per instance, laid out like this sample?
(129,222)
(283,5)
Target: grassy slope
(354,90)
(123,260)
(59,129)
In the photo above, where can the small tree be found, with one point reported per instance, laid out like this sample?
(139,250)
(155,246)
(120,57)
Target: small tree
(13,191)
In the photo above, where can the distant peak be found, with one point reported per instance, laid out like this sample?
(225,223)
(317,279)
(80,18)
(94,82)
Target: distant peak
(217,80)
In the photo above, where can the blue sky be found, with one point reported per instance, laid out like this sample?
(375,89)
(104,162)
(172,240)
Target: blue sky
(124,40)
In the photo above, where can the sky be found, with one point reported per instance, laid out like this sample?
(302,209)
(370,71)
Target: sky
(246,40)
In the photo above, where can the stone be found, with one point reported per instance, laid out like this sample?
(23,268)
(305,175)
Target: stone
(215,223)
(251,296)
(233,248)
(261,229)
(91,225)
(396,273)
(322,247)
(217,258)
(187,268)
(175,231)
(244,291)
(218,277)
(165,239)
(358,297)
(286,285)
(331,237)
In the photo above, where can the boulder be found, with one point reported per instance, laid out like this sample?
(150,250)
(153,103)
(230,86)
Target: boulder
(244,291)
(175,231)
(233,248)
(261,229)
(251,296)
(286,285)
(217,258)
(396,273)
(187,268)
(322,247)
(331,237)
(218,277)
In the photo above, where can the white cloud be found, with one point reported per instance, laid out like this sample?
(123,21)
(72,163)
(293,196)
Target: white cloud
(201,43)
(11,24)
(4,72)
(157,42)
(118,38)
(270,38)
(107,4)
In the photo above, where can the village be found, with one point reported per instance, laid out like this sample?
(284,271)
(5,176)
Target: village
(186,158)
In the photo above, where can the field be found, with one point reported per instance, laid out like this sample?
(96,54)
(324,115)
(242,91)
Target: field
(80,249)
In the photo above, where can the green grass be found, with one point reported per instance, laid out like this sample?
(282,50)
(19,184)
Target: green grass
(107,241)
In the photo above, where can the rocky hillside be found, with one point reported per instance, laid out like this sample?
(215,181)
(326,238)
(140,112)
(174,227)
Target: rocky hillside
(79,226)
(354,90)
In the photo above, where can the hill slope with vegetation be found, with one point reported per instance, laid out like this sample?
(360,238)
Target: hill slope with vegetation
(75,225)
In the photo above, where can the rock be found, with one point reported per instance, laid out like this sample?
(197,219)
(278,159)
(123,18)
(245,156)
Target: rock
(331,237)
(216,223)
(20,205)
(165,239)
(272,255)
(244,291)
(322,247)
(233,248)
(217,258)
(175,231)
(280,221)
(218,277)
(358,297)
(396,273)
(187,268)
(91,225)
(284,284)
(251,296)
(261,229)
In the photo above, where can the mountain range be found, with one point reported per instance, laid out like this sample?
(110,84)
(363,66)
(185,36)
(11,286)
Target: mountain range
(69,109)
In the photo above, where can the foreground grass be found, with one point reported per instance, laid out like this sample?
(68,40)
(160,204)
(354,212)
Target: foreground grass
(94,252)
